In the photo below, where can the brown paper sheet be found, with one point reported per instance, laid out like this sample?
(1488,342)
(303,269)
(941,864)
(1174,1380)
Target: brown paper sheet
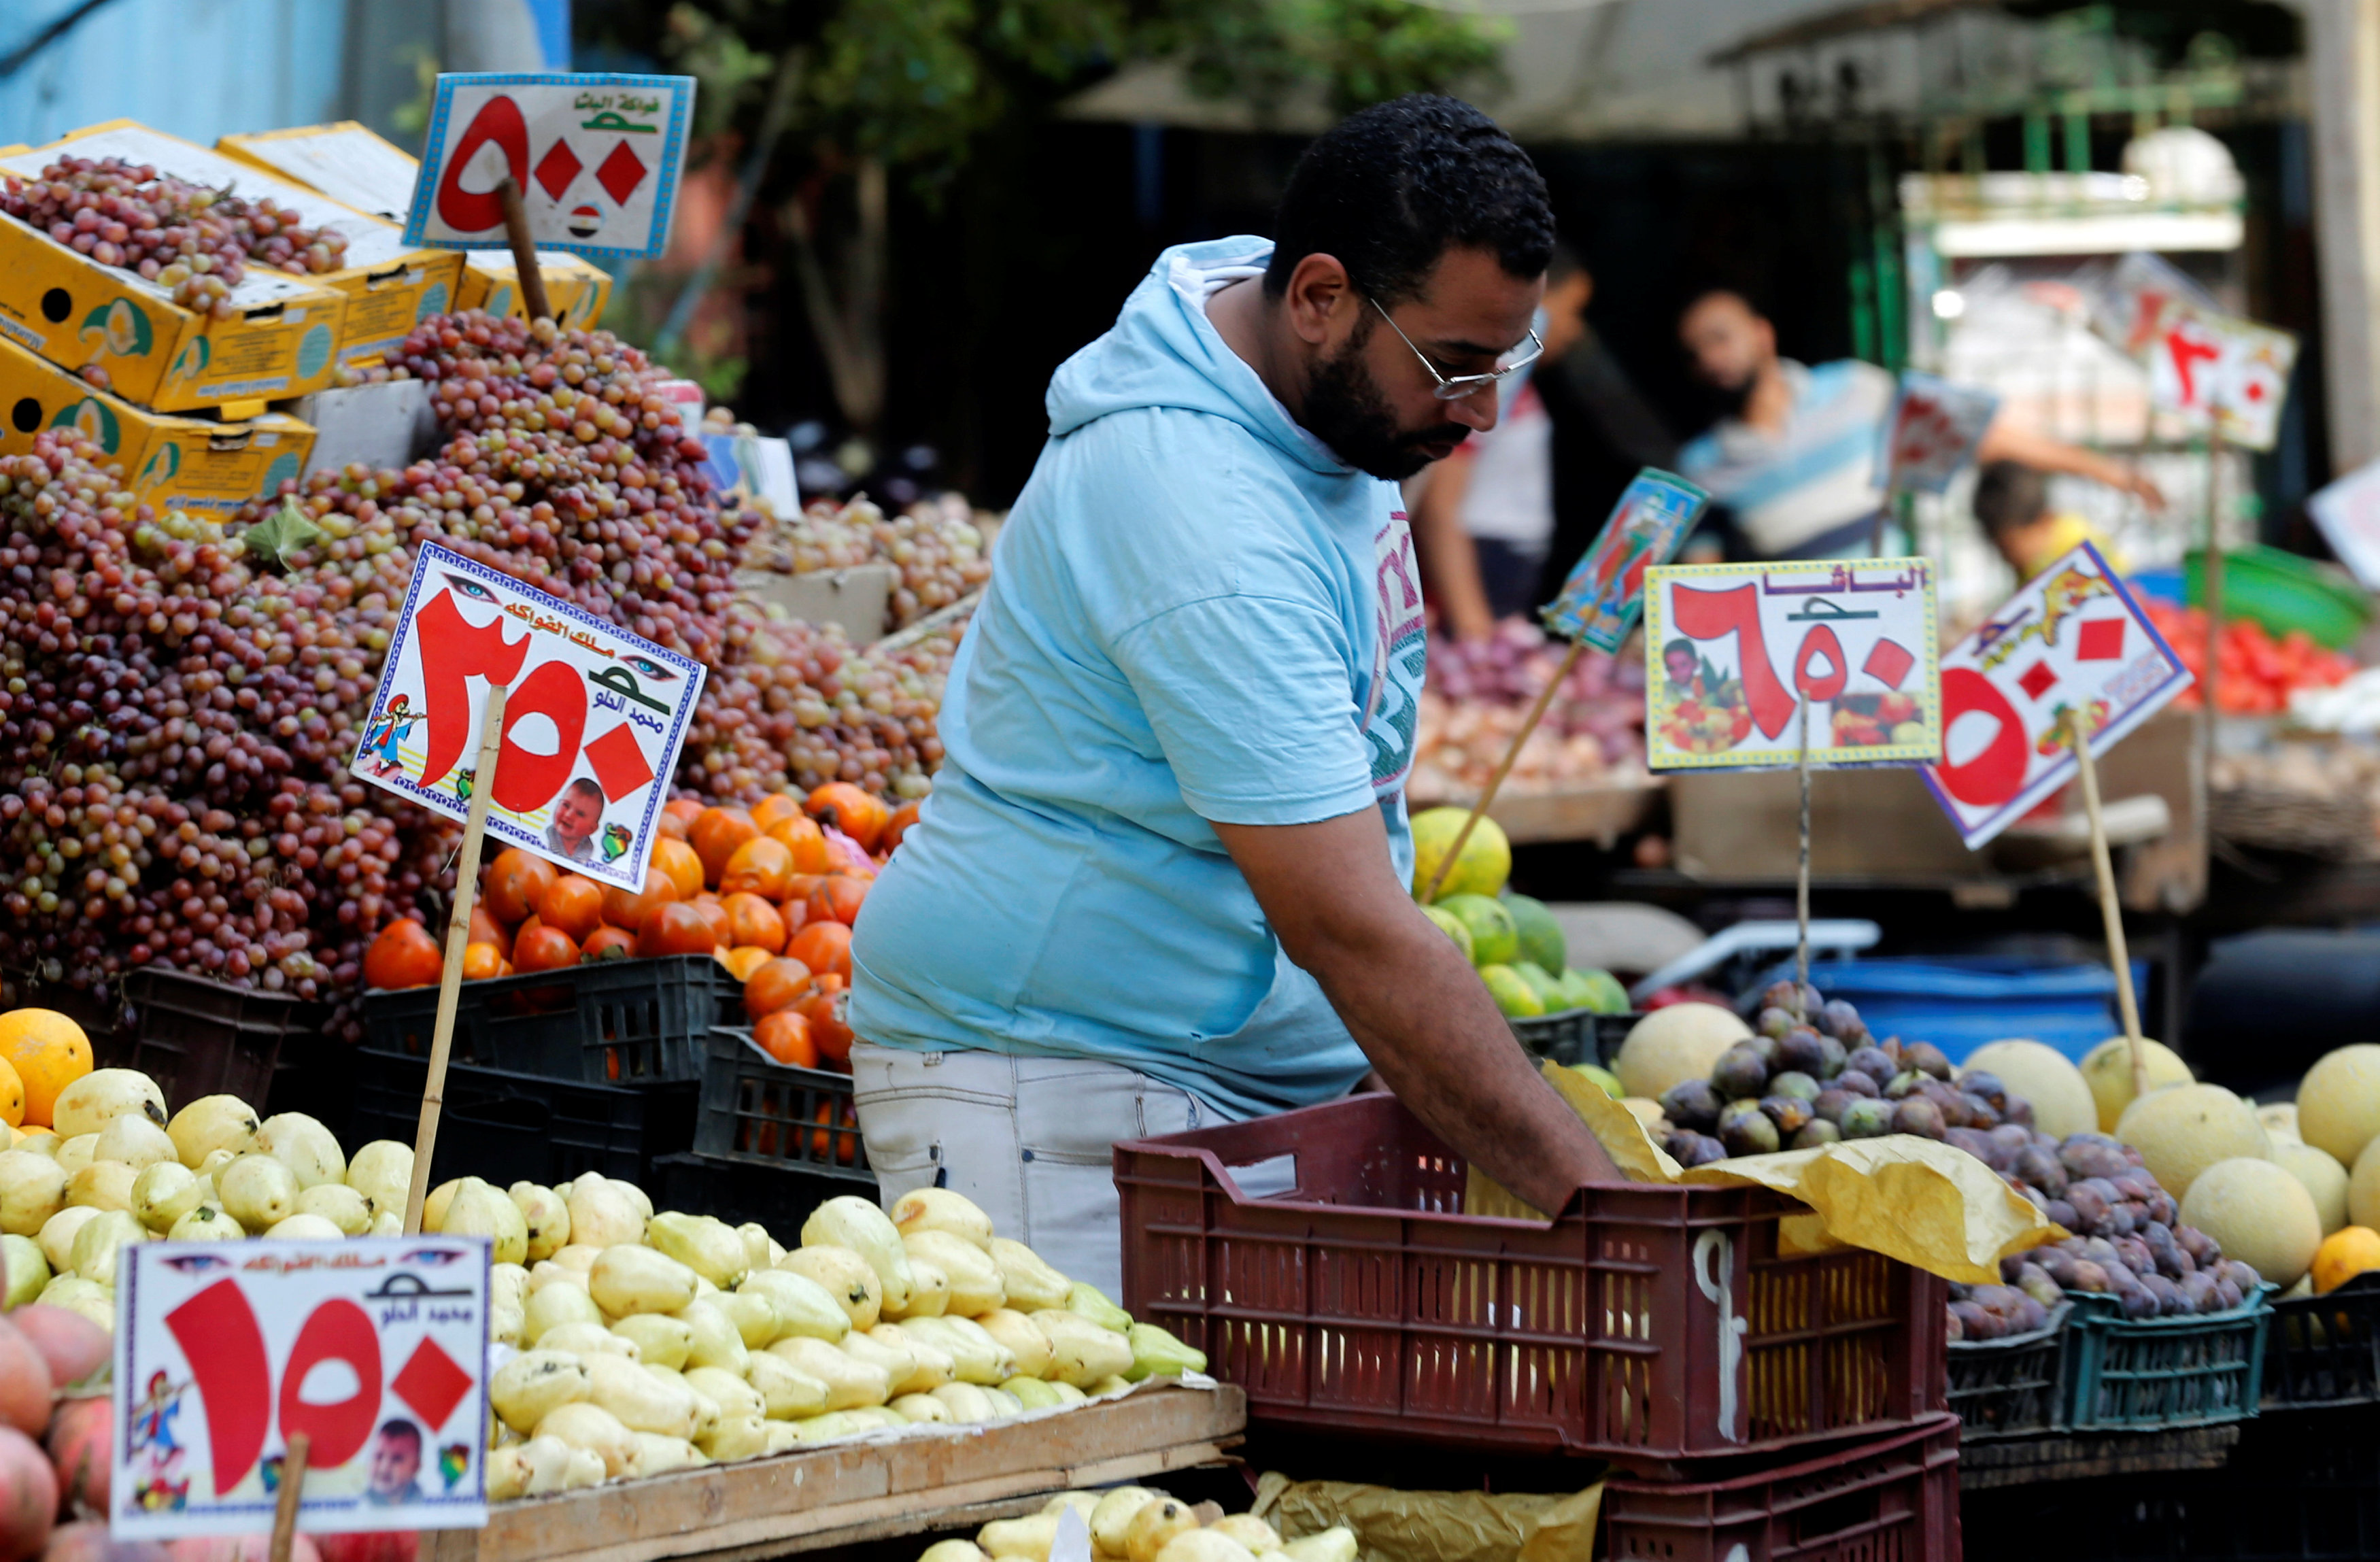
(1923,1202)
(1393,1526)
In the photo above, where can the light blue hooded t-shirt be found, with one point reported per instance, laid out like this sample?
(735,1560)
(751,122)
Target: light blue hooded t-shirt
(1196,613)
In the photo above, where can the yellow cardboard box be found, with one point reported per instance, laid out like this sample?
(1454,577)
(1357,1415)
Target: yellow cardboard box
(349,163)
(388,284)
(195,462)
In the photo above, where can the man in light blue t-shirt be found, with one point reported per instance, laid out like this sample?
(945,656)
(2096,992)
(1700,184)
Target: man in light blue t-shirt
(1161,880)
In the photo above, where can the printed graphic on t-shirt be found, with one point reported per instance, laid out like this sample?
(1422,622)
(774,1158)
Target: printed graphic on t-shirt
(1400,657)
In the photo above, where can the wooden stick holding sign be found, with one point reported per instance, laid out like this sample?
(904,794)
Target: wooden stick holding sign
(2111,911)
(284,1506)
(524,247)
(1801,881)
(458,937)
(1598,606)
(2210,675)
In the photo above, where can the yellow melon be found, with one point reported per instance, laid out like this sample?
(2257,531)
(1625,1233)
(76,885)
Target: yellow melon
(2323,1177)
(2183,1129)
(2108,1069)
(2061,1098)
(2259,1213)
(1675,1044)
(2339,1101)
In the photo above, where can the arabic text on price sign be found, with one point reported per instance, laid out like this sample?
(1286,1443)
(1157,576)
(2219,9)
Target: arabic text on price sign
(1932,431)
(596,159)
(375,1349)
(594,721)
(2074,640)
(1731,649)
(1605,594)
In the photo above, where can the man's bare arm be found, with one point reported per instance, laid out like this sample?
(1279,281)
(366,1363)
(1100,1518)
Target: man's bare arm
(1414,1004)
(2005,441)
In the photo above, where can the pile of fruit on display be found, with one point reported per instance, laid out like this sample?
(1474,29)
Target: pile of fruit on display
(1513,940)
(180,698)
(1135,1524)
(935,544)
(190,241)
(630,1341)
(2255,674)
(1478,694)
(771,892)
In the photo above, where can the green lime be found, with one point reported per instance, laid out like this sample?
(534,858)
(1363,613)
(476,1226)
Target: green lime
(1495,940)
(1605,1080)
(1513,995)
(1541,936)
(1452,925)
(1547,987)
(1598,990)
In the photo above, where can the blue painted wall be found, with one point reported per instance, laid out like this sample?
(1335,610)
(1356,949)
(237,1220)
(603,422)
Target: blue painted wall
(196,68)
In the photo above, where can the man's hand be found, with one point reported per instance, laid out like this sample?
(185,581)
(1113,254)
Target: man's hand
(1414,1004)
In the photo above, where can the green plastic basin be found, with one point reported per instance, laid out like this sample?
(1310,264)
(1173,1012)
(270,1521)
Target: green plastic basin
(2283,592)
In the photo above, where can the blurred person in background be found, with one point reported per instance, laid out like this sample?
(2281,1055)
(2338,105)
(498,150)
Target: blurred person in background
(1794,455)
(1497,524)
(2011,503)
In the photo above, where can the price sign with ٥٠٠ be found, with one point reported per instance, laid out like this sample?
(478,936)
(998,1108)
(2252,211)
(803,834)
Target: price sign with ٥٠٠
(1732,650)
(596,159)
(375,1349)
(593,722)
(2073,639)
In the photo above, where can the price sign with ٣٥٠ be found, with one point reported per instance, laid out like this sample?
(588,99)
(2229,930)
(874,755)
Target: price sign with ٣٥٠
(596,159)
(593,722)
(1732,650)
(375,1349)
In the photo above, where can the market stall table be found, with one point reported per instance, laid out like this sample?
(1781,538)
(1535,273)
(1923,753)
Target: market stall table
(926,1478)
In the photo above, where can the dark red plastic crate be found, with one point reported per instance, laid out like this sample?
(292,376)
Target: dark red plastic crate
(1891,1499)
(1650,1326)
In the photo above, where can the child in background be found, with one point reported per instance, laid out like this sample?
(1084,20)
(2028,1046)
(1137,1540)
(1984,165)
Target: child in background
(2013,504)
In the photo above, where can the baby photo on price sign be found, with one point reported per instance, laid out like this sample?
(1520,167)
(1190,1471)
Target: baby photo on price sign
(1735,650)
(593,716)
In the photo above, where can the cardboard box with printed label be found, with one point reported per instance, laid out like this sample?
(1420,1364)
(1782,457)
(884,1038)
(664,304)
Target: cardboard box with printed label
(387,284)
(193,463)
(352,166)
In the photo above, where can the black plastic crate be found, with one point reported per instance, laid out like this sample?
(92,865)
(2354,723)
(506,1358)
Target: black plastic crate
(2326,1349)
(760,1112)
(507,1127)
(2011,1387)
(610,1021)
(1575,1035)
(779,1197)
(198,1037)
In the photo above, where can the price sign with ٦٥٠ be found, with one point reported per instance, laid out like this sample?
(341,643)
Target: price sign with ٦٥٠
(594,719)
(375,1349)
(1732,651)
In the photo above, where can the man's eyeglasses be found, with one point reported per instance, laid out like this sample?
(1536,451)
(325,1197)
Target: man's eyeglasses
(1461,385)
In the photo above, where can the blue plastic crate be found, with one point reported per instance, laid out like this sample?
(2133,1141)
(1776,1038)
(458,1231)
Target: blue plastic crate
(1960,1002)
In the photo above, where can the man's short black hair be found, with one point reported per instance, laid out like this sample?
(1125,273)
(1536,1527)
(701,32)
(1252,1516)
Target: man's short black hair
(1700,293)
(1387,191)
(398,1426)
(2010,495)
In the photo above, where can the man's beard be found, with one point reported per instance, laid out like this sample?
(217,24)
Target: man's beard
(1729,401)
(1345,410)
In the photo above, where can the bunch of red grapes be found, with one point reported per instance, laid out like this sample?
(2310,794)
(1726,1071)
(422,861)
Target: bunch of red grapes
(177,711)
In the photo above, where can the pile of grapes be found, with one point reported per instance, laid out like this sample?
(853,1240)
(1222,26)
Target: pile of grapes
(194,241)
(179,699)
(935,543)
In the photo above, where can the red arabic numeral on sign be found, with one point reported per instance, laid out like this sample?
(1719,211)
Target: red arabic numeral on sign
(499,120)
(1820,642)
(2187,353)
(217,1332)
(1711,615)
(337,1331)
(1996,774)
(526,781)
(454,651)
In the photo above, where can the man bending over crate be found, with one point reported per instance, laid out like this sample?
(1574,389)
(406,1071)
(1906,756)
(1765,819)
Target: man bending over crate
(1161,881)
